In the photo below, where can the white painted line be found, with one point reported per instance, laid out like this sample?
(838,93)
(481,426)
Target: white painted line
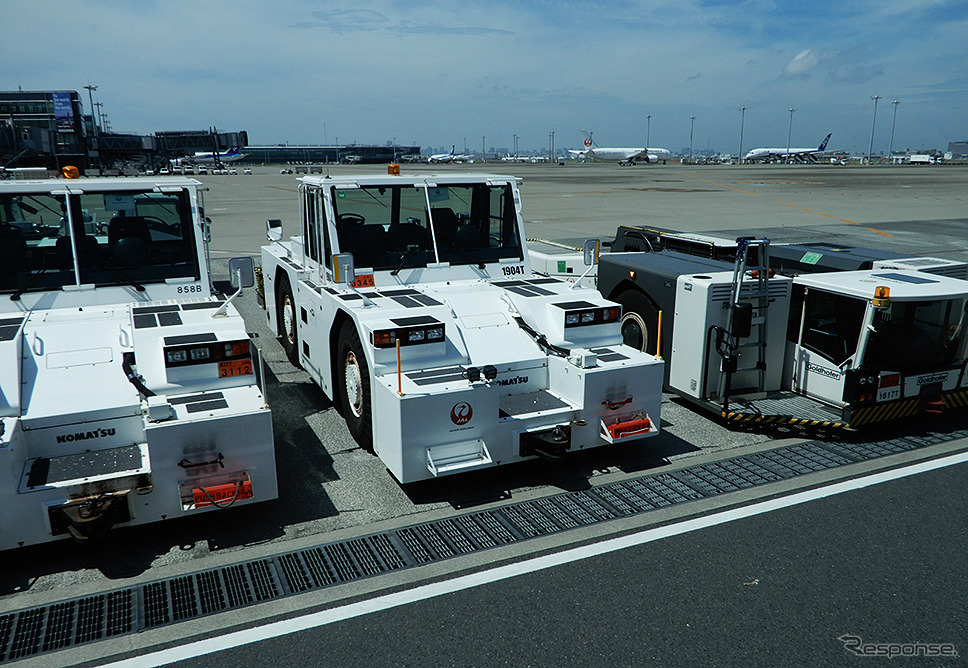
(424,592)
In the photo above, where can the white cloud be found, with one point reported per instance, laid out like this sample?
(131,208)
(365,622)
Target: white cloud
(803,64)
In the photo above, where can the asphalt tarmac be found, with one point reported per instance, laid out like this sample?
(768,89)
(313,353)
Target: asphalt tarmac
(329,487)
(807,585)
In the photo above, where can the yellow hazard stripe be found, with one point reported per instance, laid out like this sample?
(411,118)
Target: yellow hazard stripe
(860,417)
(956,399)
(905,408)
(884,412)
(782,419)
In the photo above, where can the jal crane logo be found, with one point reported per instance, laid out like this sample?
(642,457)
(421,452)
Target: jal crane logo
(461,413)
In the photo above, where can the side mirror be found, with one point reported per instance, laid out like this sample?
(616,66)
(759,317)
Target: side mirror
(343,269)
(241,272)
(591,251)
(207,230)
(274,229)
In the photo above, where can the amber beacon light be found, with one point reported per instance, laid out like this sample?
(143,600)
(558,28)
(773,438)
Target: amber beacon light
(882,296)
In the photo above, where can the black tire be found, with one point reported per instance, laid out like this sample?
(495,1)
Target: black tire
(640,321)
(353,386)
(286,318)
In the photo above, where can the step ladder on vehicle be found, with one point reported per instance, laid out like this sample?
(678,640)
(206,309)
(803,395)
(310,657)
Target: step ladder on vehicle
(746,323)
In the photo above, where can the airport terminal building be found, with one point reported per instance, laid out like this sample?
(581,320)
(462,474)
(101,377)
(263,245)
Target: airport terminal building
(50,129)
(348,153)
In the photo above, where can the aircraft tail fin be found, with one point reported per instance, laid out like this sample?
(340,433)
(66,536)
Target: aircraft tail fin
(587,139)
(823,144)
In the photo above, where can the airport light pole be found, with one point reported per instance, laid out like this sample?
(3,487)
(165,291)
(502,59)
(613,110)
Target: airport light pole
(483,147)
(90,96)
(890,151)
(742,125)
(515,145)
(789,134)
(692,126)
(100,116)
(648,132)
(870,151)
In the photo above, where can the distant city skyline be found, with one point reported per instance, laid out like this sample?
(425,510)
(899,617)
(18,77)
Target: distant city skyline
(508,73)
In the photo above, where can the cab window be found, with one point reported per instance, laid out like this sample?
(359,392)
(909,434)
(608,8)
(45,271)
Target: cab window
(831,325)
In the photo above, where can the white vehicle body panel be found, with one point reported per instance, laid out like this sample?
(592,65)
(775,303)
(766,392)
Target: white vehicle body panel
(94,414)
(429,418)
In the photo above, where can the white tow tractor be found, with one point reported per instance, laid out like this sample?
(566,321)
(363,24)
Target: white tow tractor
(828,345)
(411,302)
(129,392)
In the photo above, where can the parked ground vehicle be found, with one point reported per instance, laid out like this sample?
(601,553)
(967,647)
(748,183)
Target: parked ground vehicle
(129,392)
(410,301)
(848,338)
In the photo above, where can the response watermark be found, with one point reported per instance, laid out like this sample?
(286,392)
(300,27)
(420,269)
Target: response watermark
(893,650)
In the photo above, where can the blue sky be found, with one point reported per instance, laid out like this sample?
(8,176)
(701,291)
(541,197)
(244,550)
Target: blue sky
(434,73)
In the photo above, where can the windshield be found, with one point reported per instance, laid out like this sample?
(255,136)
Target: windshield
(918,336)
(387,227)
(117,238)
(831,324)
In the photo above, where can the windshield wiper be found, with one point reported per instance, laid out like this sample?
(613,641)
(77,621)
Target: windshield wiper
(407,254)
(29,283)
(121,276)
(118,274)
(467,253)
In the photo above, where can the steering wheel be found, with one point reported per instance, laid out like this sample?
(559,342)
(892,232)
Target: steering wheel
(155,223)
(350,219)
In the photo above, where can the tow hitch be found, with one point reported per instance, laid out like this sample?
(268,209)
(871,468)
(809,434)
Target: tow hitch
(90,518)
(551,443)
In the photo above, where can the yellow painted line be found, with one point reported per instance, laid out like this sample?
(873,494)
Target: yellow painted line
(783,183)
(723,185)
(802,208)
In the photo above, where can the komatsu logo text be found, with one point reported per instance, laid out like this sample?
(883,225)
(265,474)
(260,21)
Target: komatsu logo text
(85,435)
(517,380)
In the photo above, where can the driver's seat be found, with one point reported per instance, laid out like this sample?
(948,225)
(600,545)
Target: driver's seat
(129,240)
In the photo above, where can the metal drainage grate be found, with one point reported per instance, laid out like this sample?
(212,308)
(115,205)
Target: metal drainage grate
(75,622)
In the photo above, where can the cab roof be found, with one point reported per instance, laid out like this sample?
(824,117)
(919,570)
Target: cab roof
(363,180)
(98,184)
(904,285)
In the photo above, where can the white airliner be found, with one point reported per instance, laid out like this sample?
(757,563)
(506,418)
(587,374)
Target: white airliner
(767,154)
(450,157)
(442,157)
(208,157)
(624,156)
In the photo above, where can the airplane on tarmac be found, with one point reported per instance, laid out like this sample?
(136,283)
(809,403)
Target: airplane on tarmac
(768,154)
(450,157)
(624,156)
(208,157)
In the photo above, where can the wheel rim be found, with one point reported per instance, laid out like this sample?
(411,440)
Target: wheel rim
(634,333)
(289,319)
(354,384)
